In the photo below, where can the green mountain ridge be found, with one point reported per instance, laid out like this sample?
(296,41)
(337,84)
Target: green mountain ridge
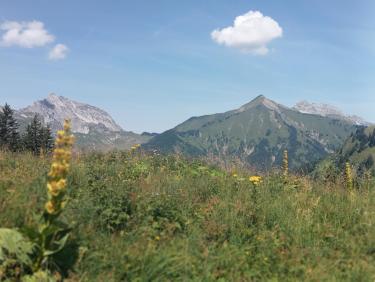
(359,149)
(257,134)
(99,141)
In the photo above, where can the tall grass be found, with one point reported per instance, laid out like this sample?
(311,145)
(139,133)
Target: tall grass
(155,218)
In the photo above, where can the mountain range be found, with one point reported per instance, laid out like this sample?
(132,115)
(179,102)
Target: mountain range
(256,133)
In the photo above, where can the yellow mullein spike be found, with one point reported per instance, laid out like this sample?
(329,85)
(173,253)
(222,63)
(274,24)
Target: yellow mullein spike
(348,176)
(285,164)
(60,166)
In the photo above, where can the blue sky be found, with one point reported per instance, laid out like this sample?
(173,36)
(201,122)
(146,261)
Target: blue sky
(153,64)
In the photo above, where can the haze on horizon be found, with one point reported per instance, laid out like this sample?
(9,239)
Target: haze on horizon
(153,65)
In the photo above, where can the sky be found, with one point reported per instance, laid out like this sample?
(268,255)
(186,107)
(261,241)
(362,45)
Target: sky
(154,64)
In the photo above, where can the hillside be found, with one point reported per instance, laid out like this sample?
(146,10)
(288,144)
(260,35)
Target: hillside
(359,149)
(109,140)
(257,134)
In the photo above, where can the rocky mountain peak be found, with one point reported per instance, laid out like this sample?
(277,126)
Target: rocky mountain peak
(327,110)
(317,108)
(54,109)
(260,100)
(55,99)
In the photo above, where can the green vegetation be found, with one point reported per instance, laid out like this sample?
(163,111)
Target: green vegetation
(256,135)
(359,149)
(105,141)
(33,252)
(141,217)
(9,135)
(36,137)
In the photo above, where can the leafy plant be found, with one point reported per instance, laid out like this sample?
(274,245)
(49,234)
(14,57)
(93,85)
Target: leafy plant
(31,250)
(15,253)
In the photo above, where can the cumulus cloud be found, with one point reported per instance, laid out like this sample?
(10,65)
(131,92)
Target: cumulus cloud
(250,33)
(25,34)
(30,35)
(58,52)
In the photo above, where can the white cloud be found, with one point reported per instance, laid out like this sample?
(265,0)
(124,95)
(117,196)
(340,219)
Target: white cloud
(30,35)
(25,34)
(250,33)
(58,52)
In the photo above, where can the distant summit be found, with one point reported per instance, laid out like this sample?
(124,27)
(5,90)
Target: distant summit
(257,134)
(260,100)
(54,109)
(326,110)
(94,128)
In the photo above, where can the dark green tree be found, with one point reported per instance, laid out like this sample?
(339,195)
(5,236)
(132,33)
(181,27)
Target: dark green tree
(47,140)
(9,135)
(38,138)
(372,139)
(3,129)
(32,139)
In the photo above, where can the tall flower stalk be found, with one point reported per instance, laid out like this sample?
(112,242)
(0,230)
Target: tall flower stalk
(56,185)
(285,164)
(52,233)
(348,176)
(368,178)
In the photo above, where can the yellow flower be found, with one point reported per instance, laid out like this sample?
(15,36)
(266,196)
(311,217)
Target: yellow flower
(67,126)
(50,208)
(135,147)
(58,169)
(56,187)
(348,176)
(256,180)
(60,134)
(60,166)
(234,175)
(285,164)
(52,188)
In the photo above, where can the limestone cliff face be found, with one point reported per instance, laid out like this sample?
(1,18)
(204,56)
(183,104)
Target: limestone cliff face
(94,128)
(54,109)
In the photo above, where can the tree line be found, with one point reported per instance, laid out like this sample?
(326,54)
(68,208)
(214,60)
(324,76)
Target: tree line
(37,138)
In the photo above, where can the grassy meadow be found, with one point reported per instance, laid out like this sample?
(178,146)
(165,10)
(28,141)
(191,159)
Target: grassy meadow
(142,217)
